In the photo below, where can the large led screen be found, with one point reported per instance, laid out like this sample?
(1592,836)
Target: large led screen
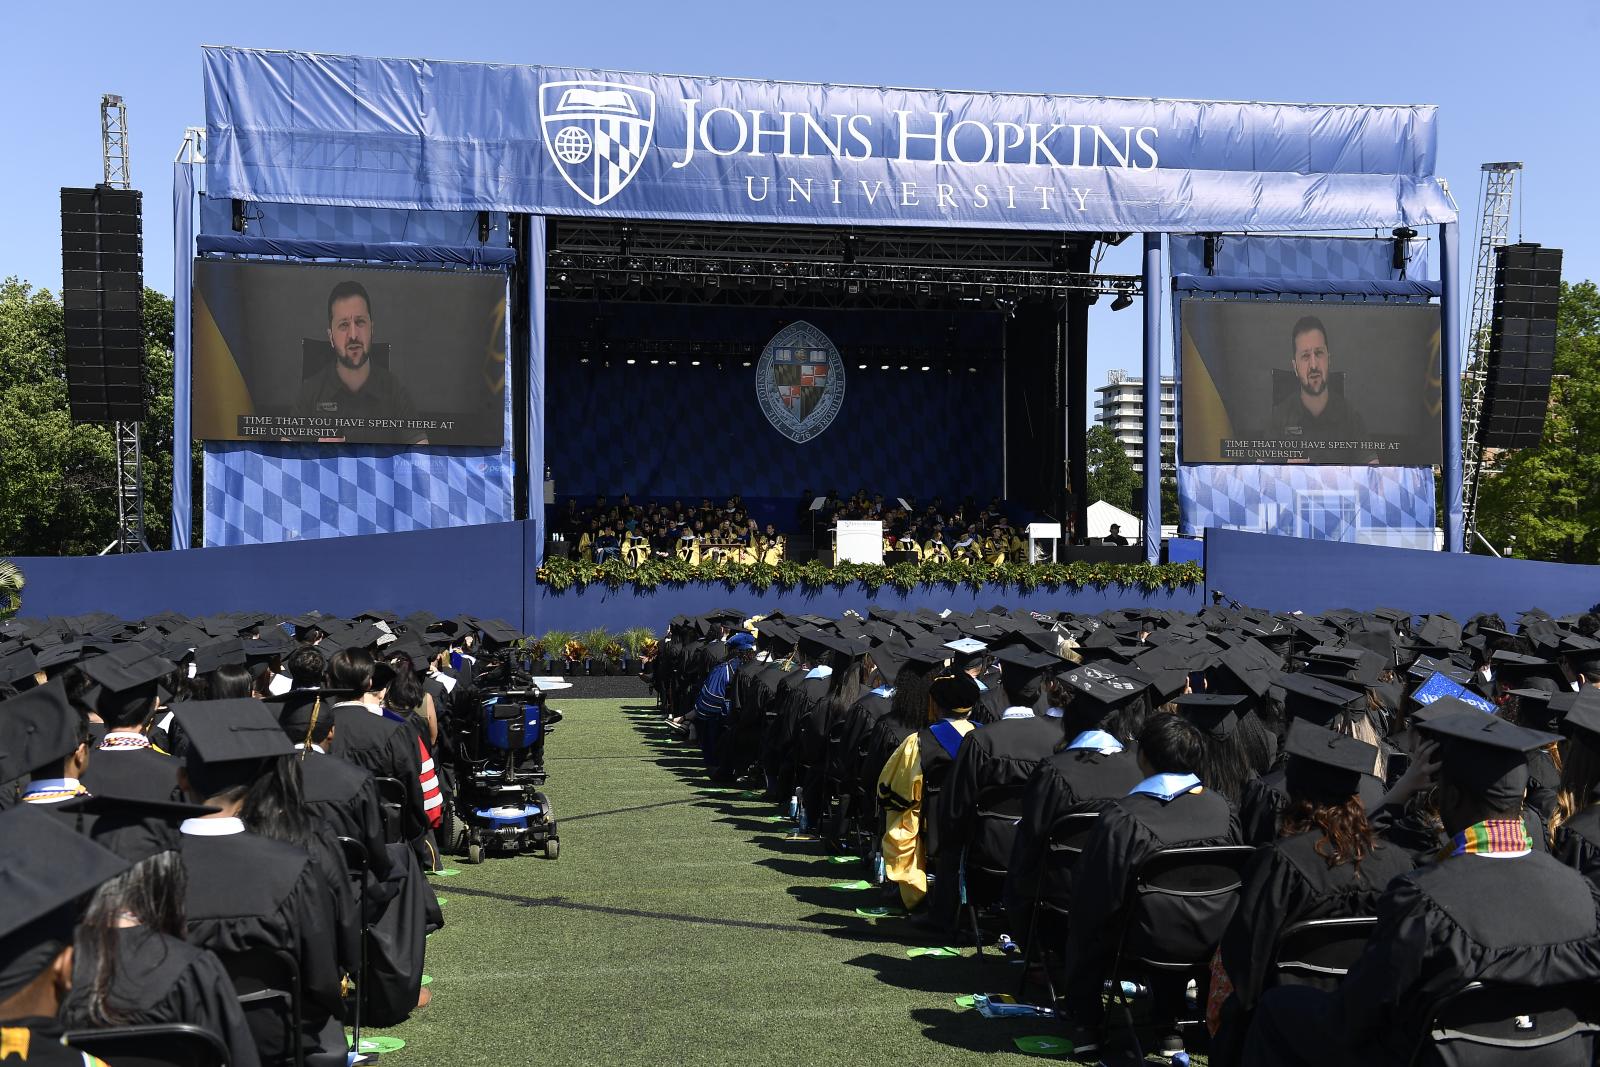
(1268,381)
(336,355)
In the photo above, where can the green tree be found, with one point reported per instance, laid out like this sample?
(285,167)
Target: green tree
(1544,502)
(1112,477)
(58,478)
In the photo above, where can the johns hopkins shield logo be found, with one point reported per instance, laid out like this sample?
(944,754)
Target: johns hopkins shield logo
(800,381)
(597,133)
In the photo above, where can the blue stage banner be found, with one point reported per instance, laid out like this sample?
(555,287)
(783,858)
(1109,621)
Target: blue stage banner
(319,129)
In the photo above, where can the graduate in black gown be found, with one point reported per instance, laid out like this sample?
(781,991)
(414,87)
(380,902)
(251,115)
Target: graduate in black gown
(1575,825)
(1094,765)
(367,738)
(1493,909)
(1169,808)
(46,739)
(133,964)
(48,869)
(248,892)
(992,768)
(126,695)
(1327,864)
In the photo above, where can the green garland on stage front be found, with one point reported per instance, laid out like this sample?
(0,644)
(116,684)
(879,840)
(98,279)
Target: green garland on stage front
(560,574)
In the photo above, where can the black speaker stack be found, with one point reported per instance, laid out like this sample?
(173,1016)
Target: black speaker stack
(1522,345)
(102,289)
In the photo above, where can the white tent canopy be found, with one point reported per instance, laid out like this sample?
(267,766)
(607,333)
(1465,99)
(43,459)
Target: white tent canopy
(1102,515)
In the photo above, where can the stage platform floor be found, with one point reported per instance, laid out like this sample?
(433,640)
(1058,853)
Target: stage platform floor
(679,926)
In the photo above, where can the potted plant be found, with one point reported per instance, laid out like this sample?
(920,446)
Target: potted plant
(594,642)
(575,655)
(555,643)
(633,642)
(615,657)
(11,583)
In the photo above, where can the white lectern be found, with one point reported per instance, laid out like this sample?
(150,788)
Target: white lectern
(1043,531)
(858,541)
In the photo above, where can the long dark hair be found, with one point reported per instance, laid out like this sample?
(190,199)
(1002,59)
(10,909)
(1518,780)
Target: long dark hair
(228,682)
(909,708)
(152,891)
(1346,832)
(1580,777)
(844,685)
(274,803)
(405,692)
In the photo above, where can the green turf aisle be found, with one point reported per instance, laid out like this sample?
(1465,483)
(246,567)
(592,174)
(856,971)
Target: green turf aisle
(685,931)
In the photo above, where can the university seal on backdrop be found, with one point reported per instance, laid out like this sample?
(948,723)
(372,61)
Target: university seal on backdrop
(800,381)
(597,133)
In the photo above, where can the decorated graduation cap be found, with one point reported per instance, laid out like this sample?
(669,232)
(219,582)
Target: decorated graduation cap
(1102,688)
(48,868)
(37,728)
(1485,755)
(741,642)
(135,824)
(1216,714)
(1324,764)
(967,651)
(228,740)
(1318,700)
(955,693)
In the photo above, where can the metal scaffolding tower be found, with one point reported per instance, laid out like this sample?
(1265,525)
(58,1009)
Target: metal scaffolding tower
(1497,189)
(130,458)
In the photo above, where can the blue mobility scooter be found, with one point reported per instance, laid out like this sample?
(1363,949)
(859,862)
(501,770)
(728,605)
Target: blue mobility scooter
(500,772)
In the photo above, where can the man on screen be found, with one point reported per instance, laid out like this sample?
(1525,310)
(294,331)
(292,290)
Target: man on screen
(1314,412)
(351,387)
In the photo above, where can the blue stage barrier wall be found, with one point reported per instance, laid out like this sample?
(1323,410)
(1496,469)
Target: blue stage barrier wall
(622,608)
(1294,574)
(465,569)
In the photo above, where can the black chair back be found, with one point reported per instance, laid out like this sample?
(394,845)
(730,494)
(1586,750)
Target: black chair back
(267,982)
(1485,1025)
(392,801)
(1066,842)
(1318,952)
(151,1045)
(999,812)
(1179,904)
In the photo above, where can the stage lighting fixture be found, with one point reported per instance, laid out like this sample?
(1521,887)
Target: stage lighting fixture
(585,359)
(904,367)
(631,362)
(483,227)
(655,363)
(694,363)
(861,366)
(1124,300)
(239,219)
(672,363)
(850,248)
(1213,240)
(1113,239)
(884,367)
(1402,234)
(747,363)
(925,369)
(1059,256)
(1092,298)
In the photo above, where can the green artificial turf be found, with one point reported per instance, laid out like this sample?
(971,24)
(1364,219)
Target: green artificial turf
(679,927)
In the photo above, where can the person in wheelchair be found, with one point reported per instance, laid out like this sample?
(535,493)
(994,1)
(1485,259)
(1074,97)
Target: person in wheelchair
(1493,909)
(1170,808)
(1328,864)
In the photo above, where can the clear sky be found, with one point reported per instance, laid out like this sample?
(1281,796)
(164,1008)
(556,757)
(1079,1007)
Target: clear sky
(1513,81)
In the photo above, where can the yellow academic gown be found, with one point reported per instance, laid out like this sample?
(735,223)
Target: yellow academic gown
(905,859)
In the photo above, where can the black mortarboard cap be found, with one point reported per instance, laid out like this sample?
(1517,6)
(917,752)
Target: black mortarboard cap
(1102,687)
(1239,671)
(1020,663)
(264,648)
(1580,711)
(1319,700)
(299,710)
(36,728)
(888,656)
(498,631)
(133,826)
(17,664)
(1484,754)
(1515,670)
(219,654)
(1324,763)
(115,672)
(227,741)
(48,867)
(1216,714)
(966,650)
(59,656)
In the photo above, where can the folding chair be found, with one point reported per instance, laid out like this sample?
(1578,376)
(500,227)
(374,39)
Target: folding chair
(1488,1025)
(392,801)
(151,1045)
(1178,904)
(1319,952)
(999,812)
(267,981)
(1065,844)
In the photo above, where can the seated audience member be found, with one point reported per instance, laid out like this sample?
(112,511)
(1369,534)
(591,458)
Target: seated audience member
(1327,865)
(1493,910)
(915,770)
(127,700)
(1575,826)
(365,737)
(1093,766)
(1169,808)
(248,892)
(45,739)
(49,870)
(712,705)
(133,964)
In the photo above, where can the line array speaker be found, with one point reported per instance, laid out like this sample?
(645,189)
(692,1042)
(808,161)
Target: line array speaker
(1522,345)
(102,291)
